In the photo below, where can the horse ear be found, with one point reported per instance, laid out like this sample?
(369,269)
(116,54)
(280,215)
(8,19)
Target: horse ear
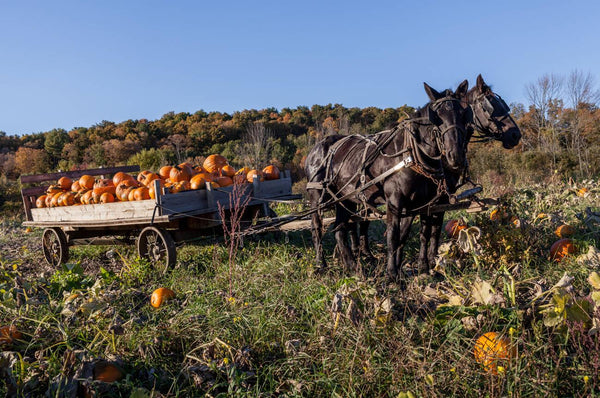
(462,88)
(431,92)
(480,83)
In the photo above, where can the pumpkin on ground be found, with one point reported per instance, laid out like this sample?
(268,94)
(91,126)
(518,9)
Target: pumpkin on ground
(562,248)
(492,347)
(107,372)
(214,163)
(271,172)
(161,295)
(583,192)
(8,334)
(564,231)
(453,227)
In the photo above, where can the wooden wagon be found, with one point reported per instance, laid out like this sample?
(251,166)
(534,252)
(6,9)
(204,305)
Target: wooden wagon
(155,226)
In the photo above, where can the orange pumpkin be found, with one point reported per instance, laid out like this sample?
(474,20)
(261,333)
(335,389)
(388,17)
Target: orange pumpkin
(65,183)
(49,200)
(271,172)
(214,163)
(243,171)
(8,334)
(499,214)
(151,190)
(257,173)
(107,198)
(180,187)
(562,248)
(149,178)
(41,201)
(86,181)
(98,191)
(103,182)
(107,372)
(227,171)
(121,176)
(141,193)
(564,231)
(199,180)
(75,187)
(492,347)
(199,169)
(179,173)
(164,172)
(86,198)
(142,176)
(67,199)
(453,228)
(224,181)
(161,295)
(54,189)
(55,201)
(583,192)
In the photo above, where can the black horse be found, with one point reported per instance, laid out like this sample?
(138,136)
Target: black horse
(401,168)
(490,118)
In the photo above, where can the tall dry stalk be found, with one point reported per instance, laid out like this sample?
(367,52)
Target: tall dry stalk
(231,220)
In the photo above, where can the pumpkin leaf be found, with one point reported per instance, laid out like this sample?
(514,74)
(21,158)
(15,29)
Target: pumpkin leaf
(596,297)
(594,280)
(482,292)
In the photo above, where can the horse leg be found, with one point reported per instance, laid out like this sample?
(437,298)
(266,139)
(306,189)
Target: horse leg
(397,233)
(424,238)
(317,229)
(341,228)
(364,241)
(434,242)
(354,241)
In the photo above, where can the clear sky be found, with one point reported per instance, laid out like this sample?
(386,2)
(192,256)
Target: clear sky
(65,64)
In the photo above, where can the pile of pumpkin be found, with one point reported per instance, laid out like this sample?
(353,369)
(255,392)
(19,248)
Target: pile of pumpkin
(215,171)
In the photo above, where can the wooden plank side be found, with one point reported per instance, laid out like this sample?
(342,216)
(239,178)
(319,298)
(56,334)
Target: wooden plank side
(106,212)
(28,179)
(183,202)
(273,188)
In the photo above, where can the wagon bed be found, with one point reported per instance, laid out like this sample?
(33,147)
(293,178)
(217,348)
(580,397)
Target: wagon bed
(154,225)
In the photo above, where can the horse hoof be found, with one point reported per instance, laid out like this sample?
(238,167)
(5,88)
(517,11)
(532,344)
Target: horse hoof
(320,270)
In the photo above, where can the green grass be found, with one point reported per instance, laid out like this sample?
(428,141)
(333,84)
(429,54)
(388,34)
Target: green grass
(266,327)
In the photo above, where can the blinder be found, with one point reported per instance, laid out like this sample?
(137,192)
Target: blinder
(489,108)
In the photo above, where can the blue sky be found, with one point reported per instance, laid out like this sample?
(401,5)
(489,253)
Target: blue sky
(75,63)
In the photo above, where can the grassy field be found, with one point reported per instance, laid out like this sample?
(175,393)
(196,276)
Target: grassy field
(266,325)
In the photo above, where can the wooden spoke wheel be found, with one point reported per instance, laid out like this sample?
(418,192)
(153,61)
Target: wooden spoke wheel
(158,247)
(54,245)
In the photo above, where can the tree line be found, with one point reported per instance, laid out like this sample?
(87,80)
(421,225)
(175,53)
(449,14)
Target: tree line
(560,126)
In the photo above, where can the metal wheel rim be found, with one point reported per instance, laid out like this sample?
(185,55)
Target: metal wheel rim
(51,244)
(153,247)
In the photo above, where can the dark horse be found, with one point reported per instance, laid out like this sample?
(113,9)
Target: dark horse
(401,168)
(490,117)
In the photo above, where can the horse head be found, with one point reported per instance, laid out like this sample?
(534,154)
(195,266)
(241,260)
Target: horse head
(491,115)
(449,116)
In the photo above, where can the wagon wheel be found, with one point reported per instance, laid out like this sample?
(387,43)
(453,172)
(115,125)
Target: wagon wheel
(158,247)
(54,244)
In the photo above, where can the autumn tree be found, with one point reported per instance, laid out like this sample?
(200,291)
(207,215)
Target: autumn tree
(31,161)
